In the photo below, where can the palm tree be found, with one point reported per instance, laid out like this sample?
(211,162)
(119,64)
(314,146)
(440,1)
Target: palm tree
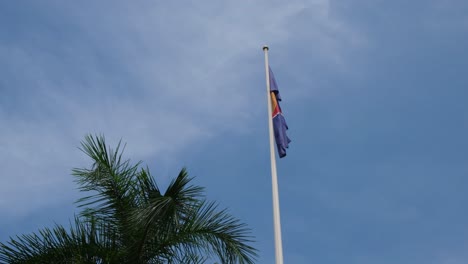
(127,219)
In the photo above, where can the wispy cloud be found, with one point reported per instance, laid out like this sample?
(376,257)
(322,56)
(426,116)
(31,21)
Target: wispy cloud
(159,75)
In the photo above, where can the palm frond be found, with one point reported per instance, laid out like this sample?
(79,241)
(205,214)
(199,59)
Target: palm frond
(110,177)
(125,218)
(215,231)
(206,231)
(181,191)
(111,182)
(145,187)
(85,242)
(160,215)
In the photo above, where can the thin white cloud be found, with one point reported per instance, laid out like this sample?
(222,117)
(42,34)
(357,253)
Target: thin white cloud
(159,75)
(454,255)
(446,16)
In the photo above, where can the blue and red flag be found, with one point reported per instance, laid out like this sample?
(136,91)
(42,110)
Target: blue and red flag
(279,123)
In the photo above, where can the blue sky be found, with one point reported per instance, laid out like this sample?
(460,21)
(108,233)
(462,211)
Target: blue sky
(375,94)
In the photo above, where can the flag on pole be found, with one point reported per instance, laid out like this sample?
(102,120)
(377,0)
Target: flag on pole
(279,123)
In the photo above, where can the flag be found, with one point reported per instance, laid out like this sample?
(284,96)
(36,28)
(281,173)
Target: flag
(279,123)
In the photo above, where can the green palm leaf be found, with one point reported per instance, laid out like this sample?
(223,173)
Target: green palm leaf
(125,218)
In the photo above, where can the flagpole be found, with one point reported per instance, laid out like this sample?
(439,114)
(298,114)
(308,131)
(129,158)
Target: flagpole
(274,176)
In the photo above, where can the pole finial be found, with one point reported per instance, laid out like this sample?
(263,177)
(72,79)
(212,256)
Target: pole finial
(265,47)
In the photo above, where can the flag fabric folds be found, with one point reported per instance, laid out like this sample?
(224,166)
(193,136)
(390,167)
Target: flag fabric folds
(279,123)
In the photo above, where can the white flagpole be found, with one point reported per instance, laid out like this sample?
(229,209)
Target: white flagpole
(274,177)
